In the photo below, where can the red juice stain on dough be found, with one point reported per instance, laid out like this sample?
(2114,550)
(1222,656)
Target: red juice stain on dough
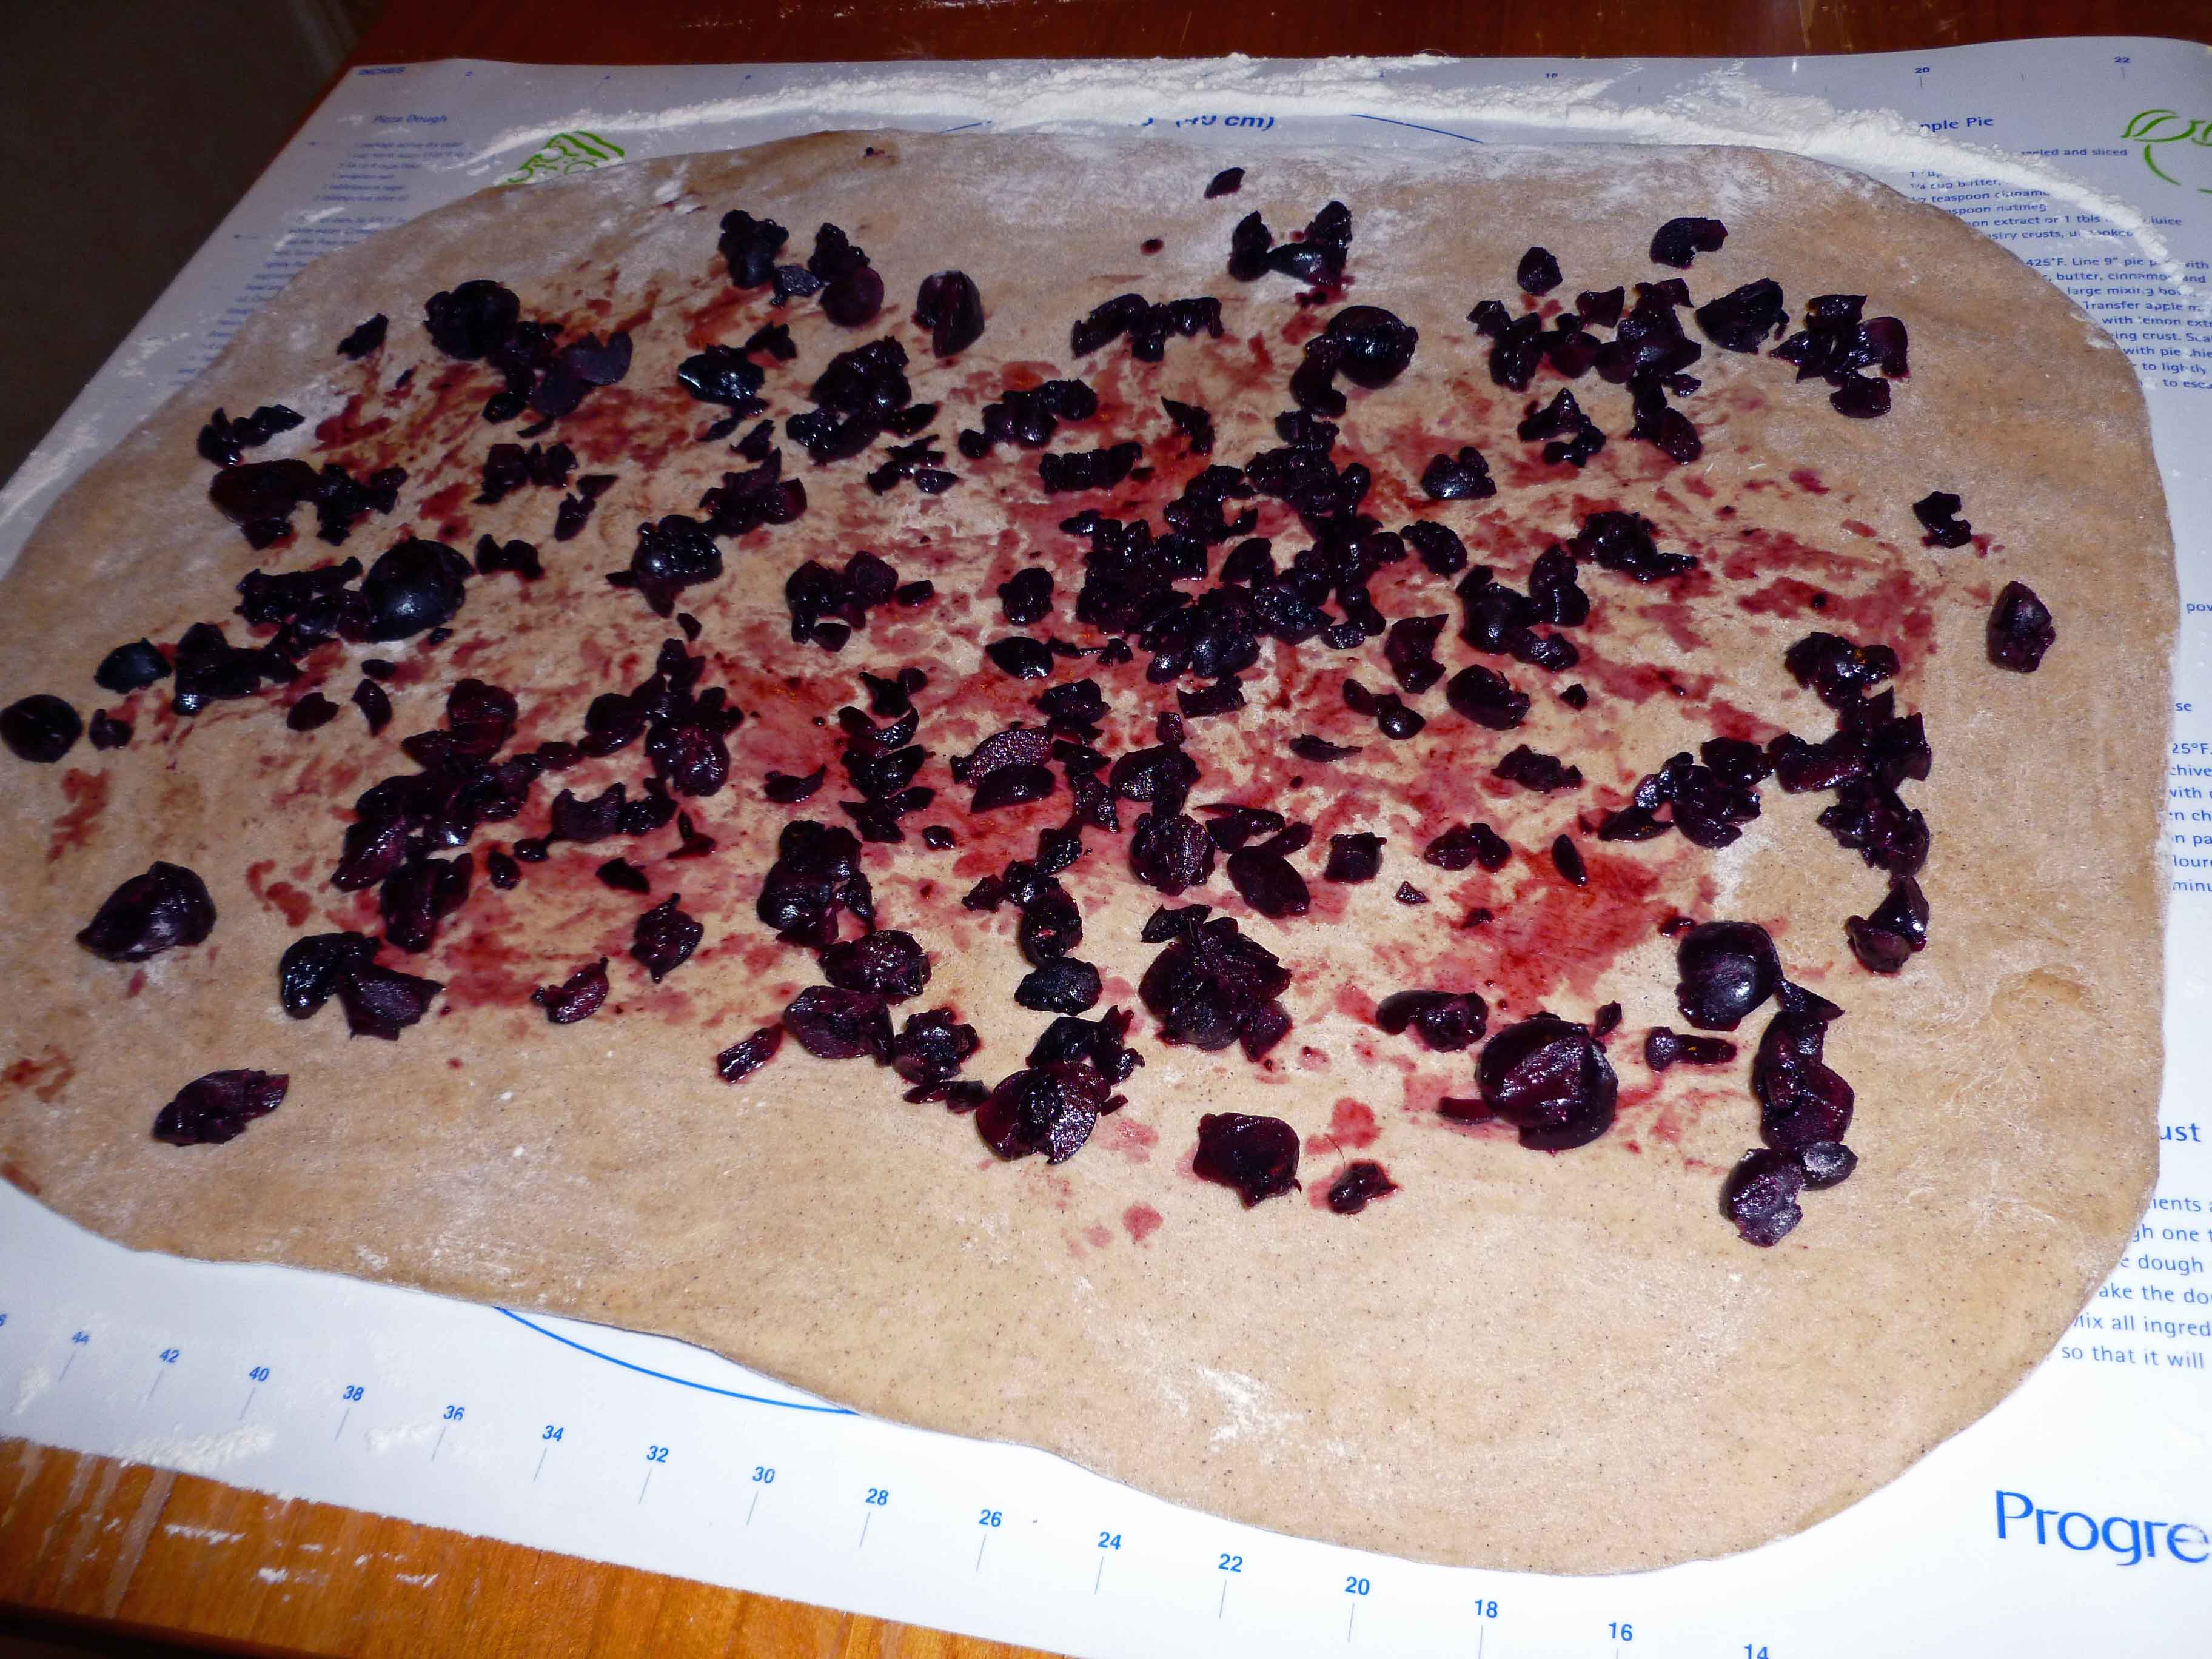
(1897,611)
(1141,1221)
(484,969)
(443,507)
(1122,1134)
(87,797)
(44,1075)
(1351,1127)
(346,429)
(1357,1004)
(1640,682)
(1099,1235)
(288,901)
(1556,934)
(1808,481)
(16,1176)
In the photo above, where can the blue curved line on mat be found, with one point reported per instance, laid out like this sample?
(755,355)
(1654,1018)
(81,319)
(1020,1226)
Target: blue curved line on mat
(703,1388)
(964,126)
(1442,131)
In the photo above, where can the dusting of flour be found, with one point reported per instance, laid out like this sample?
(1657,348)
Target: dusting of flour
(1724,106)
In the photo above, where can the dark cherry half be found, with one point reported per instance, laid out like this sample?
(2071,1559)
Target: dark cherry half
(166,906)
(1549,1077)
(1256,1156)
(211,1109)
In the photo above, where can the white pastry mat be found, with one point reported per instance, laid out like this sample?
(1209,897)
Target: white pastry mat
(2075,1519)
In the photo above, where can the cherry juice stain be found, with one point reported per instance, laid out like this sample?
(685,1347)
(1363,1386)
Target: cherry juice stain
(87,797)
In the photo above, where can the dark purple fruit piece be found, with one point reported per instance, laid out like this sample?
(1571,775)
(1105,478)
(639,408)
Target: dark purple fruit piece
(416,585)
(1012,786)
(1533,770)
(1376,344)
(1195,423)
(1760,1196)
(1171,852)
(1021,657)
(624,877)
(1742,320)
(1549,1077)
(1801,1100)
(1838,671)
(578,997)
(1362,1183)
(721,374)
(1938,512)
(1464,478)
(364,337)
(471,320)
(1664,1047)
(166,906)
(1680,240)
(743,1058)
(1352,858)
(1060,985)
(1043,1108)
(1603,307)
(1466,844)
(853,298)
(933,1047)
(1861,396)
(1826,1164)
(1409,894)
(664,938)
(376,705)
(1026,596)
(833,1024)
(748,247)
(310,712)
(1227,182)
(1447,1021)
(1539,272)
(1209,981)
(785,790)
(1267,882)
(1885,941)
(40,728)
(216,1108)
(1726,968)
(1567,860)
(382,1002)
(950,307)
(312,969)
(1256,1156)
(888,963)
(1487,697)
(1623,542)
(416,896)
(129,667)
(1307,746)
(2020,629)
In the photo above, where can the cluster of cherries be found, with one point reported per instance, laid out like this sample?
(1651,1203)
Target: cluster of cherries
(1211,986)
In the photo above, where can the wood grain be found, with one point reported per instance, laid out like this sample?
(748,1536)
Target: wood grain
(135,1551)
(813,31)
(139,1552)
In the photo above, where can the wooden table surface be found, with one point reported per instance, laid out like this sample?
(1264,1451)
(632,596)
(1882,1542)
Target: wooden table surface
(136,1555)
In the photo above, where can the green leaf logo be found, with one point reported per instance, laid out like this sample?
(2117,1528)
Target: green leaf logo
(566,153)
(2153,127)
